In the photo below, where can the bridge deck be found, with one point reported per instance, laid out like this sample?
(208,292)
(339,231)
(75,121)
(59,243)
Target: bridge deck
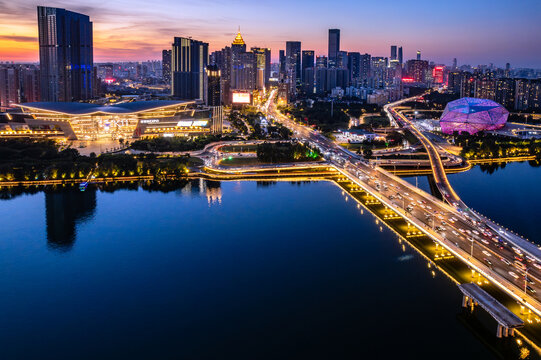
(502,315)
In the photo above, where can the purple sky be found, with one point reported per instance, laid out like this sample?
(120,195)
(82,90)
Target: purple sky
(475,32)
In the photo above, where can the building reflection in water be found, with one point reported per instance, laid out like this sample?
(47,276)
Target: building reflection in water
(64,210)
(214,192)
(211,189)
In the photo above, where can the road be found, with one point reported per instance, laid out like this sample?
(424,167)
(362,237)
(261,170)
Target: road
(513,268)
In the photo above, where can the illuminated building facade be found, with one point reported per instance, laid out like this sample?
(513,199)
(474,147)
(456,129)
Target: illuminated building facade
(84,121)
(293,66)
(214,94)
(437,74)
(65,55)
(189,60)
(471,115)
(263,60)
(166,66)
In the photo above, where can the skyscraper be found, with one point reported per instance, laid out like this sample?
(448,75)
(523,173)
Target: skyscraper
(263,60)
(354,65)
(365,68)
(417,70)
(282,58)
(307,61)
(342,60)
(65,55)
(214,94)
(293,63)
(244,66)
(334,46)
(321,61)
(393,53)
(418,54)
(222,59)
(189,60)
(166,66)
(400,56)
(9,86)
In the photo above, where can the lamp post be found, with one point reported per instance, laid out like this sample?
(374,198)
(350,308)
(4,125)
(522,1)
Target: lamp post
(526,280)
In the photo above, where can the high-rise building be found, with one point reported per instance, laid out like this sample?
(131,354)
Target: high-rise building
(365,68)
(528,94)
(334,47)
(417,70)
(222,59)
(342,60)
(378,71)
(293,64)
(418,54)
(507,70)
(30,84)
(282,58)
(400,56)
(354,65)
(65,55)
(166,66)
(393,52)
(263,60)
(189,60)
(437,74)
(214,93)
(308,58)
(9,86)
(505,92)
(243,66)
(308,83)
(321,62)
(454,64)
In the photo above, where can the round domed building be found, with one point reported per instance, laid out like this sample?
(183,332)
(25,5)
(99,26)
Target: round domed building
(471,115)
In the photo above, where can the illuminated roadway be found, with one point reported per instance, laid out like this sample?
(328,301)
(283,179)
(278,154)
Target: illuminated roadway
(485,249)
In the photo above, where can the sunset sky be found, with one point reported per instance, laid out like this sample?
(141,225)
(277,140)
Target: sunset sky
(474,31)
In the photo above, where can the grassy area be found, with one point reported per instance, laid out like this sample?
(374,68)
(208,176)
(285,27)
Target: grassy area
(376,121)
(376,145)
(239,148)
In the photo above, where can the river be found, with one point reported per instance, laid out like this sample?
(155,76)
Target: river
(243,270)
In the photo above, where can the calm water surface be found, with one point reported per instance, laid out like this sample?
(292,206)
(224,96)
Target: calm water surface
(237,270)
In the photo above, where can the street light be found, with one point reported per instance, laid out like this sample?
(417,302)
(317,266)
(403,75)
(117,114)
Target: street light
(526,280)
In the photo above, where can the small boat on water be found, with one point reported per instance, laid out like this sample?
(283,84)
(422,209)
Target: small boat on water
(83,185)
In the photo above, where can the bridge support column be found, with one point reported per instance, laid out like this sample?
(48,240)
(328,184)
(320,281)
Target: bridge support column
(499,331)
(512,332)
(505,331)
(470,303)
(464,301)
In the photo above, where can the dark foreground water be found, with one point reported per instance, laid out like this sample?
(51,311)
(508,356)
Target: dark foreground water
(237,270)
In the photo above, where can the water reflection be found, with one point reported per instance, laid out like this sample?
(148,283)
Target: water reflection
(64,210)
(66,207)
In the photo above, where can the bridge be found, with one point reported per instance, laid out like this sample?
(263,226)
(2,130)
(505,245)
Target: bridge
(445,188)
(483,245)
(474,295)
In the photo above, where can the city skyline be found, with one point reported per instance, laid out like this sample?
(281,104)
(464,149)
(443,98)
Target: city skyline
(139,32)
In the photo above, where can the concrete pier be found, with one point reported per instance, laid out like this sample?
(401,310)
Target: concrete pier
(507,321)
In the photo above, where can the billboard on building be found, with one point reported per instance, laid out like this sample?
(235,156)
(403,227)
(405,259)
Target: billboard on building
(241,98)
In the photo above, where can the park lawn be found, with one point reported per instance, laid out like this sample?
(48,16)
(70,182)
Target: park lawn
(239,148)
